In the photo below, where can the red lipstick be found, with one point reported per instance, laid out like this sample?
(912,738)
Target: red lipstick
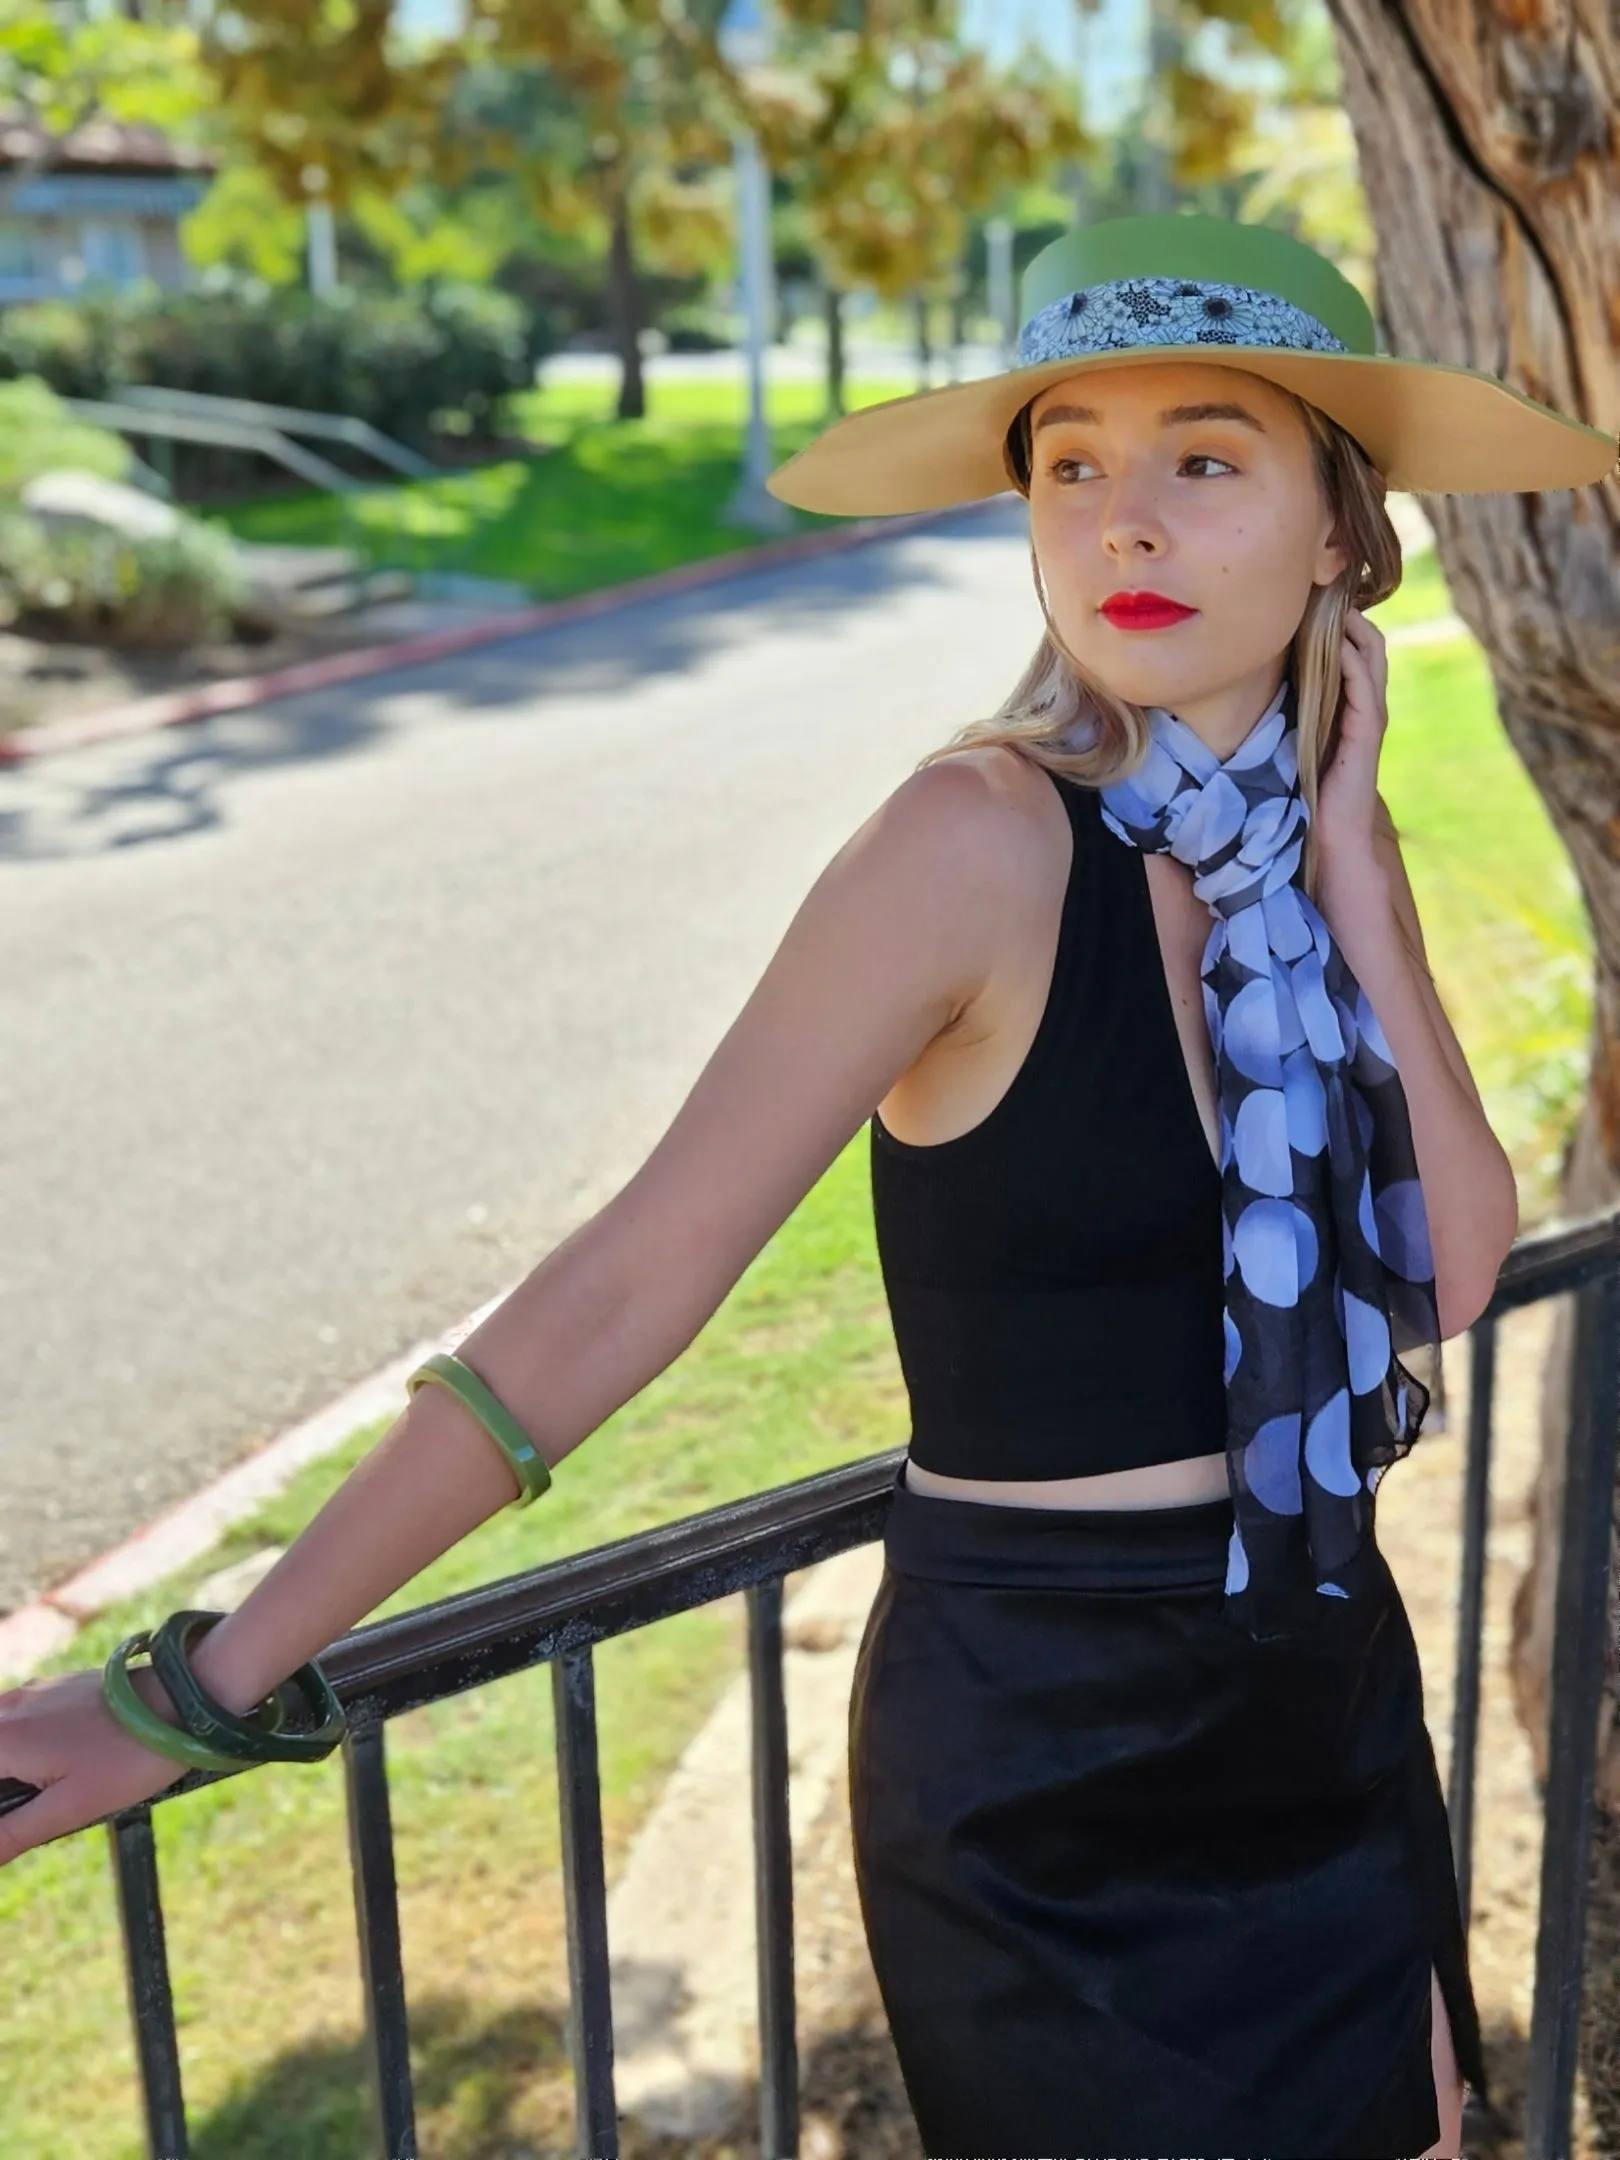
(1143,611)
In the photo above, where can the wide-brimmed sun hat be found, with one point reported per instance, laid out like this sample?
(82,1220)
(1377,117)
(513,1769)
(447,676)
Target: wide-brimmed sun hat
(1183,286)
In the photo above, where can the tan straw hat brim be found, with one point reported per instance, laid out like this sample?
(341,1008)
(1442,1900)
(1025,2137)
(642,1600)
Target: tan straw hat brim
(1429,428)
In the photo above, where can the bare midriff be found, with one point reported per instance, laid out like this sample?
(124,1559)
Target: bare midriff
(1169,1484)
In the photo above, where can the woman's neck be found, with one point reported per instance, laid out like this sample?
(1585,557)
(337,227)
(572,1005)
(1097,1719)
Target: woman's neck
(1227,717)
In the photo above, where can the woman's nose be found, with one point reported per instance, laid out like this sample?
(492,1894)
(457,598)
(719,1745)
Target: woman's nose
(1131,524)
(1133,535)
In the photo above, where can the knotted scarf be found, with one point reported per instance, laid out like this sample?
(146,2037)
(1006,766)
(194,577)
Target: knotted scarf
(1328,1271)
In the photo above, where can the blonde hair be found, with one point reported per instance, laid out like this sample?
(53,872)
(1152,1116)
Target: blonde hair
(1056,694)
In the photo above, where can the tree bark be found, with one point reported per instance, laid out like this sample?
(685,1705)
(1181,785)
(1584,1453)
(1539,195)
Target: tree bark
(833,305)
(1489,160)
(624,313)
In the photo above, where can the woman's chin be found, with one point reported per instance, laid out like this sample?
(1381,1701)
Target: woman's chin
(1145,685)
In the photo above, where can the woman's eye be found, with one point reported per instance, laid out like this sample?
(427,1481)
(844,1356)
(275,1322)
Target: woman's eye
(1059,468)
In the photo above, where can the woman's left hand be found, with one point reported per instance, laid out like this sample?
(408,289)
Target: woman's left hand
(1347,792)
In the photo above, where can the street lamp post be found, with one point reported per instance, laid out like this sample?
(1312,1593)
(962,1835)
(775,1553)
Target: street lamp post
(320,234)
(998,244)
(745,42)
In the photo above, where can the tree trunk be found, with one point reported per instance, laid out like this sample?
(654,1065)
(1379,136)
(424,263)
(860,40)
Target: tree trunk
(624,313)
(958,313)
(925,349)
(833,304)
(1483,135)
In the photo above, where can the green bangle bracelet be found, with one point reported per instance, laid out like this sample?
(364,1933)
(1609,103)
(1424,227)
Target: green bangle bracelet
(528,1465)
(263,1735)
(143,1723)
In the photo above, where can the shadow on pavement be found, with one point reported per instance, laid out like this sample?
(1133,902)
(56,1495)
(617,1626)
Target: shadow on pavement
(166,785)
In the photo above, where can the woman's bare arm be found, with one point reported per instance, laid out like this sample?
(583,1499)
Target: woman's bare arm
(893,943)
(1469,1189)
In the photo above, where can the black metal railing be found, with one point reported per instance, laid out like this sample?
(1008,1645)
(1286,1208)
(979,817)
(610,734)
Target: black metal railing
(557,1613)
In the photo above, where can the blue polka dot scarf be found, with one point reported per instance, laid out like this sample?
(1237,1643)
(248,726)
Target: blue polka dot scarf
(1326,1246)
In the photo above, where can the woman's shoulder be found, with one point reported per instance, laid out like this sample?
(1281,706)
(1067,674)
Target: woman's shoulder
(991,828)
(985,795)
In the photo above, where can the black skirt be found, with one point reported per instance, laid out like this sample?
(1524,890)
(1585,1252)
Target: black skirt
(1131,1882)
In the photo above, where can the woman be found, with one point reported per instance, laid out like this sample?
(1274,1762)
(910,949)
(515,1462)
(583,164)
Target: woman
(1150,1846)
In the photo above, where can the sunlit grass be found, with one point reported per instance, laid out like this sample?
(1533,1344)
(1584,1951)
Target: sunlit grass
(1506,928)
(599,502)
(1420,596)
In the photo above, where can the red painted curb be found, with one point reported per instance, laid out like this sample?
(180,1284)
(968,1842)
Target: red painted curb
(173,708)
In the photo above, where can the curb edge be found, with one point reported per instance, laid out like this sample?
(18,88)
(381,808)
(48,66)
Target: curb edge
(174,708)
(185,1531)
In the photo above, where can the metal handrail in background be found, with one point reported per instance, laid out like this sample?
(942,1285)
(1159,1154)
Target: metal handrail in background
(285,420)
(555,1614)
(127,419)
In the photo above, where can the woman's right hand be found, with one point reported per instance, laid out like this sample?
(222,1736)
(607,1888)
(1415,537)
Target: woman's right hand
(60,1736)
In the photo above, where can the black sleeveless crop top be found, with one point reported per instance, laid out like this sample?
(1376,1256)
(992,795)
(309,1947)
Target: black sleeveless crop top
(1054,1273)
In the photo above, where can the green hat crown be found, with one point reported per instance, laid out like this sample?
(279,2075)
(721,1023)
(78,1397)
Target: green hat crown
(1185,279)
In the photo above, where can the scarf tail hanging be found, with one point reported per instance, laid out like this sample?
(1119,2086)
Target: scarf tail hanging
(1327,1263)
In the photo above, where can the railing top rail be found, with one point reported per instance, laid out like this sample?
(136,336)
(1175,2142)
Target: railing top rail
(1560,1257)
(391,1666)
(441,1649)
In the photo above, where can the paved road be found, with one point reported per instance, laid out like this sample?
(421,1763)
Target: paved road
(321,1023)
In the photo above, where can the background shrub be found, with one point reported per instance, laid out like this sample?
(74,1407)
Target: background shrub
(421,368)
(87,582)
(38,434)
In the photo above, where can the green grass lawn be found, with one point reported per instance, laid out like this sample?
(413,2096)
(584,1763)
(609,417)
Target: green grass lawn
(1503,918)
(795,1373)
(602,501)
(1420,596)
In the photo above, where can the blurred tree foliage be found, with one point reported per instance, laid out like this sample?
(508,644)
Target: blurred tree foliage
(611,124)
(64,65)
(607,114)
(893,135)
(328,96)
(559,145)
(1298,156)
(1241,112)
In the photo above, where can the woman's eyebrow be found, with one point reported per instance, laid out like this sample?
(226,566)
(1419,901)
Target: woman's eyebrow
(1172,416)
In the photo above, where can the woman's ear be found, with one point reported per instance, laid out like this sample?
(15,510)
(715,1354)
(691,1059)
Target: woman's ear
(1331,561)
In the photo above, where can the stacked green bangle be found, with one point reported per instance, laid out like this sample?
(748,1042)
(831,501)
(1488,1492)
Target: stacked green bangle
(143,1723)
(528,1465)
(263,1735)
(210,1737)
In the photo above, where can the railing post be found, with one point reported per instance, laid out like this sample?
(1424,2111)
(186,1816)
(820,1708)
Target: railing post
(1576,1684)
(376,1915)
(590,2009)
(1471,1605)
(146,1971)
(773,1878)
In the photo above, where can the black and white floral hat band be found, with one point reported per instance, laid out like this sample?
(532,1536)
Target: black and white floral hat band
(1189,287)
(1169,311)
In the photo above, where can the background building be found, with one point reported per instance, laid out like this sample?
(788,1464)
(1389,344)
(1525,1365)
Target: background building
(99,206)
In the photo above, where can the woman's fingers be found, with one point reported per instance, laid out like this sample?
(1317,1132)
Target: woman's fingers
(52,1815)
(1366,641)
(85,1795)
(59,1736)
